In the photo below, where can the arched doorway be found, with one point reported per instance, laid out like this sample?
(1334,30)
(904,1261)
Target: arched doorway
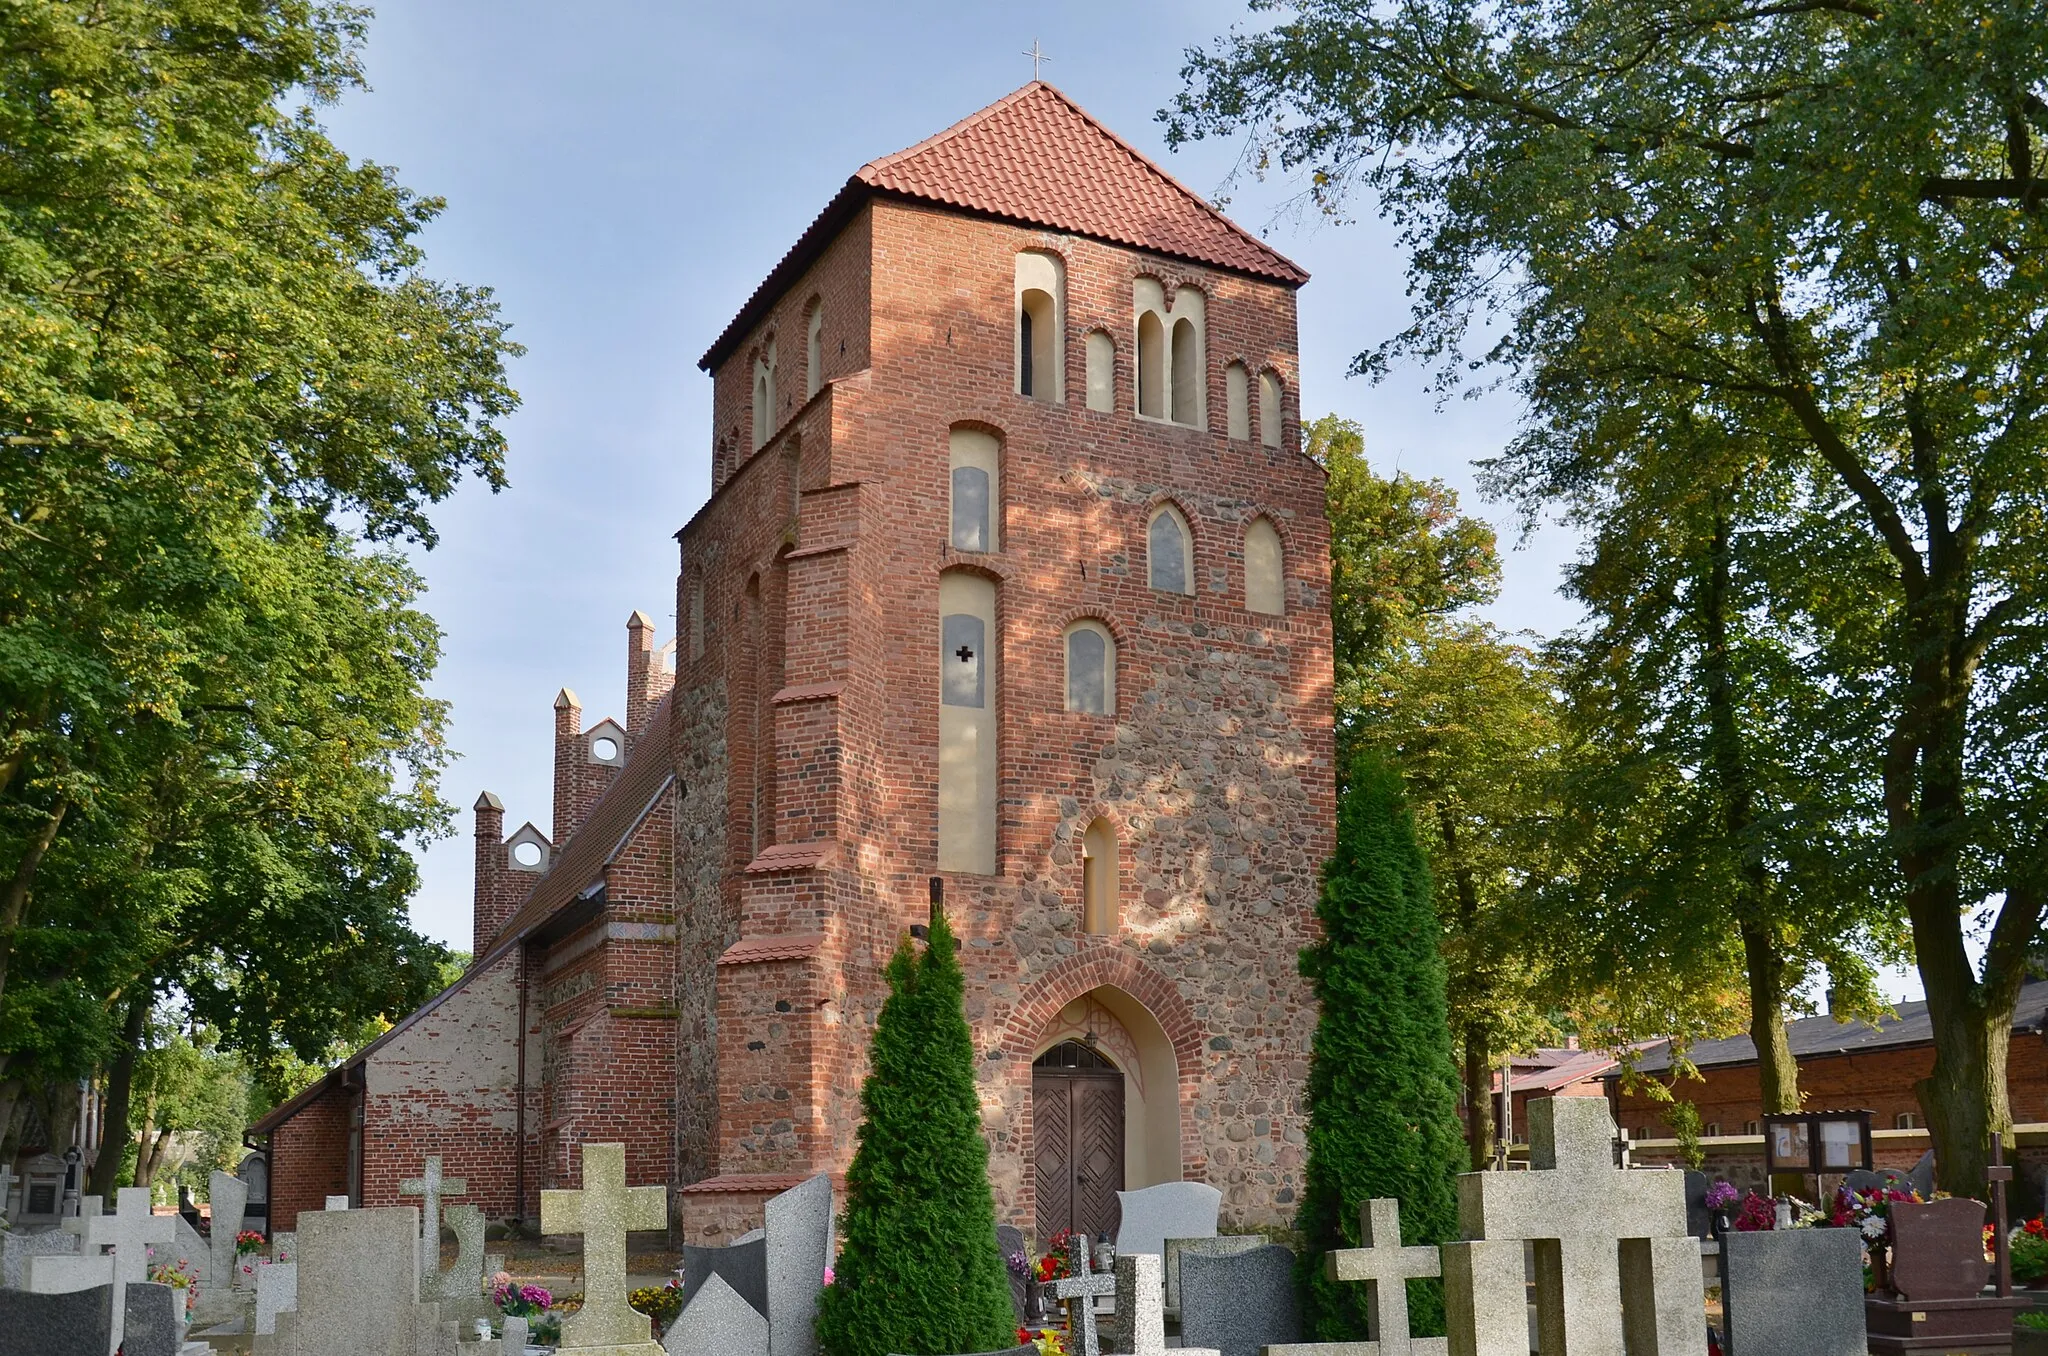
(1077,1134)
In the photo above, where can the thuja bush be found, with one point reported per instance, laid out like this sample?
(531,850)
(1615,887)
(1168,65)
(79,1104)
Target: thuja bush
(1382,1096)
(918,1272)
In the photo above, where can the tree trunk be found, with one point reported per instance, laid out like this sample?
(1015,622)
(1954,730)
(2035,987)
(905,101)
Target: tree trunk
(106,1168)
(145,1167)
(1479,1126)
(14,898)
(1763,953)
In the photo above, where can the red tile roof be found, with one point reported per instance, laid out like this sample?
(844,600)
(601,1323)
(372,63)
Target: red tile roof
(1034,156)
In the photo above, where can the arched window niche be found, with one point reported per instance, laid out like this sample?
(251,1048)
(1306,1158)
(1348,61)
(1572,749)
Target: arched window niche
(764,394)
(1101,372)
(1237,395)
(1099,872)
(1091,668)
(1265,573)
(1171,362)
(814,348)
(1271,412)
(1169,552)
(968,678)
(1041,325)
(975,489)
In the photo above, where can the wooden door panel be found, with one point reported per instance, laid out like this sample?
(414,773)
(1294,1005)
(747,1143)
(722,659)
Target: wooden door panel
(1052,1152)
(1098,1130)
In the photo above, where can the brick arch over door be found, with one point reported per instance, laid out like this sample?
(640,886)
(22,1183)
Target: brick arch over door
(1107,965)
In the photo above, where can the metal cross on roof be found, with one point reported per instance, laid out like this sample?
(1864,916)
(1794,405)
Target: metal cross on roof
(1036,56)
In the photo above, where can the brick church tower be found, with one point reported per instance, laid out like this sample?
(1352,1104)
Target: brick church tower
(1012,587)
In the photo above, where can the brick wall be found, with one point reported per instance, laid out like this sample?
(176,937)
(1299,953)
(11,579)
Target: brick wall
(309,1158)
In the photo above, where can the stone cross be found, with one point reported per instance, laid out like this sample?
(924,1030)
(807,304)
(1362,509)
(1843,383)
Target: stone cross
(1080,1291)
(432,1186)
(1386,1268)
(603,1211)
(7,1181)
(1141,1307)
(1612,1255)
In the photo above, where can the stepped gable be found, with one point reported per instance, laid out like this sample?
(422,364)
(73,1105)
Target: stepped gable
(1036,157)
(580,863)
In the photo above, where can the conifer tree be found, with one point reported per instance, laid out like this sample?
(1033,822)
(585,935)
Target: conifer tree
(1381,1085)
(918,1272)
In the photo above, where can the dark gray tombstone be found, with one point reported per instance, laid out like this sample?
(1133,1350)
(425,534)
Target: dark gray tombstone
(1223,1245)
(1921,1178)
(1696,1222)
(151,1324)
(77,1323)
(744,1266)
(1794,1290)
(1240,1304)
(1863,1179)
(1010,1240)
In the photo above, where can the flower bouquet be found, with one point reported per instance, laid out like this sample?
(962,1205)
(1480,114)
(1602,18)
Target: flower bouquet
(177,1276)
(2028,1245)
(530,1302)
(1049,1341)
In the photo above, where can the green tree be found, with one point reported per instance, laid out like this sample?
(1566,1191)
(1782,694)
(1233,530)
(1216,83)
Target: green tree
(918,1272)
(185,1085)
(222,373)
(1820,226)
(1382,1089)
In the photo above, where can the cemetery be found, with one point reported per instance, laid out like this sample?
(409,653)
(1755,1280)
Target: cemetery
(1108,843)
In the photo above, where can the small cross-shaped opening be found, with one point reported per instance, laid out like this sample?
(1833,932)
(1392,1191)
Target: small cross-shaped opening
(964,655)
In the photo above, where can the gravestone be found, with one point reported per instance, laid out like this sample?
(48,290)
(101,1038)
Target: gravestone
(277,1292)
(430,1186)
(1385,1268)
(151,1317)
(1010,1243)
(743,1266)
(1863,1179)
(1799,1290)
(1697,1222)
(358,1285)
(718,1322)
(1937,1250)
(604,1211)
(42,1192)
(254,1170)
(798,1236)
(73,1323)
(1141,1305)
(1922,1175)
(87,1268)
(462,1284)
(1238,1305)
(189,1244)
(1170,1210)
(1613,1261)
(128,1232)
(17,1248)
(1080,1291)
(229,1196)
(1223,1245)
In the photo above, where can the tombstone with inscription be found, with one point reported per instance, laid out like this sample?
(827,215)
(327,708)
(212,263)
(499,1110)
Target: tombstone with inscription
(1937,1277)
(603,1211)
(1611,1252)
(42,1193)
(1239,1305)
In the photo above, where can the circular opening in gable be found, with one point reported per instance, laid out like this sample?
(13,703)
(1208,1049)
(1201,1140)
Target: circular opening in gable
(604,750)
(526,854)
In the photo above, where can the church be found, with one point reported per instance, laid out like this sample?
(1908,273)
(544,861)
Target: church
(1010,596)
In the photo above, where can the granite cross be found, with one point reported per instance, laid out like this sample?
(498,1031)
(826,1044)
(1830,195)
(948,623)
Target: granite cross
(1080,1291)
(1612,1254)
(1141,1307)
(432,1186)
(1386,1268)
(603,1211)
(130,1230)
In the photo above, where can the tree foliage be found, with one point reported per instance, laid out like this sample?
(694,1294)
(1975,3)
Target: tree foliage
(1817,226)
(918,1271)
(1382,1098)
(225,386)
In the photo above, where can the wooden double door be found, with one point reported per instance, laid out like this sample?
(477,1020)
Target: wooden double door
(1077,1140)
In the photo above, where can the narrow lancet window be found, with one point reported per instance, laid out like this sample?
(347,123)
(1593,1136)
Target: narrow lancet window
(975,490)
(1167,562)
(1091,669)
(1264,572)
(968,677)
